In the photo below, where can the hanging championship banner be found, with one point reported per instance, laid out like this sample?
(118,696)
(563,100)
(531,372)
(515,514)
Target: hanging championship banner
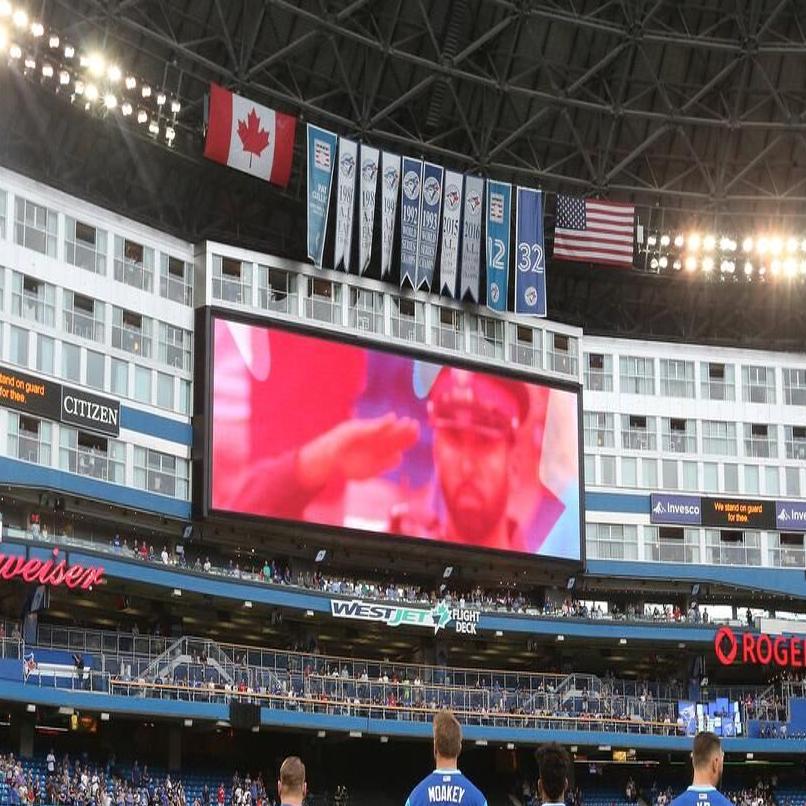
(471,238)
(390,182)
(369,184)
(410,218)
(499,200)
(451,213)
(321,153)
(346,203)
(429,224)
(530,257)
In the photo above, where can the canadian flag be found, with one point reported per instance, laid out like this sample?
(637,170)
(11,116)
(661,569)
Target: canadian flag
(249,137)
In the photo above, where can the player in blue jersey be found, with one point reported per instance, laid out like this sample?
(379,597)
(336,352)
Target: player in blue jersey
(446,785)
(707,758)
(553,767)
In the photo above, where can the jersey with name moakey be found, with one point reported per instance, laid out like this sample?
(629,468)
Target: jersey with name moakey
(701,796)
(446,787)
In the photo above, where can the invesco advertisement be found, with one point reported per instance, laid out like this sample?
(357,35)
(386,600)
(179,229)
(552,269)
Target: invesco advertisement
(315,430)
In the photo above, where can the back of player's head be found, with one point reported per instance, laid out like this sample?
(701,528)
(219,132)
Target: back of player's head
(706,746)
(292,777)
(553,766)
(447,735)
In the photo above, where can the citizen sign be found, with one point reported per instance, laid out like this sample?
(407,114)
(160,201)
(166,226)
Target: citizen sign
(762,650)
(90,411)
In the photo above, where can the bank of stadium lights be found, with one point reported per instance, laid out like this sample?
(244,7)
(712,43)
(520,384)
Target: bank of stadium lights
(98,83)
(765,256)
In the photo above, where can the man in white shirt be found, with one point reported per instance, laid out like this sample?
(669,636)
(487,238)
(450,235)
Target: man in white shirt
(51,762)
(553,769)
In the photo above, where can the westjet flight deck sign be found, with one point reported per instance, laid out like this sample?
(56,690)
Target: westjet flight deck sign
(438,618)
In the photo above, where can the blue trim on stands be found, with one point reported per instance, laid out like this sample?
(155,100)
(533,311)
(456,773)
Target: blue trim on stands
(787,581)
(270,717)
(156,426)
(14,471)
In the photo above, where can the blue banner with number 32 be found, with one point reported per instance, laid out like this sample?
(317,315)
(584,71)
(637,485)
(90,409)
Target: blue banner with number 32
(530,257)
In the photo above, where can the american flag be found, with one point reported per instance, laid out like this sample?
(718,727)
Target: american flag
(593,231)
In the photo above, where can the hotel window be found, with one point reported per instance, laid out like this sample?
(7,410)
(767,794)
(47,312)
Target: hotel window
(185,400)
(676,378)
(2,214)
(760,440)
(795,387)
(731,476)
(599,430)
(610,541)
(772,481)
(638,433)
(174,346)
(84,246)
(35,227)
(134,264)
(84,316)
(96,370)
(160,473)
(19,346)
(92,455)
(649,473)
(165,390)
(120,377)
(71,362)
(44,354)
(710,477)
(33,299)
(366,310)
(232,280)
(131,332)
(792,475)
(786,550)
(690,476)
(562,353)
(670,480)
(718,438)
(323,302)
(637,375)
(608,468)
(142,384)
(408,319)
(590,469)
(487,337)
(751,480)
(718,381)
(732,547)
(679,435)
(629,471)
(276,290)
(671,544)
(29,439)
(758,384)
(448,330)
(527,346)
(598,372)
(795,441)
(176,279)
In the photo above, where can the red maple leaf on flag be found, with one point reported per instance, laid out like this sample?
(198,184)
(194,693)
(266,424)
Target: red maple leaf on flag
(253,138)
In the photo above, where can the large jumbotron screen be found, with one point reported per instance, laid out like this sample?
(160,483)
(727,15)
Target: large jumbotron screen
(317,430)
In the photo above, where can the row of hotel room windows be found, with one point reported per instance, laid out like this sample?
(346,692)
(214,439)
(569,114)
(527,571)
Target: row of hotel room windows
(692,476)
(679,435)
(97,370)
(637,376)
(36,227)
(692,545)
(83,316)
(31,440)
(451,328)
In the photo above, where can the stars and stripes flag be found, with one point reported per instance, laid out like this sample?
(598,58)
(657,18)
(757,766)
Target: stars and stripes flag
(594,231)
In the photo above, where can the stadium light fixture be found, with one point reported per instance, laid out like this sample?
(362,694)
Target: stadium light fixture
(384,740)
(510,745)
(104,716)
(170,134)
(708,243)
(176,106)
(355,734)
(110,101)
(154,127)
(679,240)
(142,116)
(622,641)
(499,633)
(69,51)
(748,268)
(677,265)
(91,92)
(126,109)
(255,728)
(663,262)
(653,264)
(247,604)
(320,734)
(3,39)
(747,244)
(694,241)
(145,91)
(561,638)
(5,8)
(30,708)
(481,743)
(707,264)
(54,41)
(161,99)
(30,63)
(114,74)
(177,591)
(665,240)
(15,51)
(652,240)
(37,29)
(47,70)
(95,64)
(691,263)
(762,245)
(20,18)
(792,245)
(79,88)
(776,245)
(309,613)
(775,267)
(188,723)
(131,82)
(64,78)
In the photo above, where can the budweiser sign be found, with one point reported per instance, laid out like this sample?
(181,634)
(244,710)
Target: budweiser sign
(50,572)
(762,649)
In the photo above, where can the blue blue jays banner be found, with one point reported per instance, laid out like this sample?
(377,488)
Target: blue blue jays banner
(411,183)
(530,257)
(321,160)
(431,204)
(499,202)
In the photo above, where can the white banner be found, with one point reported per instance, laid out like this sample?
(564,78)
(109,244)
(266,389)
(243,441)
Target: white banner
(390,184)
(451,213)
(471,238)
(369,184)
(345,203)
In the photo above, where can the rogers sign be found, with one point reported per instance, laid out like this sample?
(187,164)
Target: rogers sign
(762,649)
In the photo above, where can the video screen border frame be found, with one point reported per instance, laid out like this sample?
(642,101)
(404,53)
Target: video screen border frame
(202,421)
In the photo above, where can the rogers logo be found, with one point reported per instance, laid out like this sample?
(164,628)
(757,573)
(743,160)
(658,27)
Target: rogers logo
(725,635)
